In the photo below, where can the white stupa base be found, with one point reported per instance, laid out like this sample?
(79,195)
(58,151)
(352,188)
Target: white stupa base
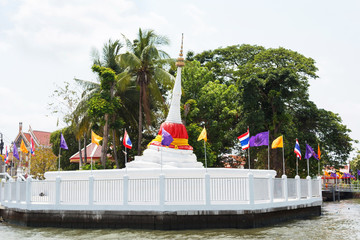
(156,157)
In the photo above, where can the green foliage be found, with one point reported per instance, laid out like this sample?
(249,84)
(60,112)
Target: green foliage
(272,94)
(194,131)
(43,161)
(65,154)
(355,163)
(98,166)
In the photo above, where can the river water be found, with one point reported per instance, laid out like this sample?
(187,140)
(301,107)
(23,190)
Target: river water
(340,220)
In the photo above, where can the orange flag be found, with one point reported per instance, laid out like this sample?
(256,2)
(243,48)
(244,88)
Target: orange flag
(319,153)
(95,138)
(278,143)
(22,147)
(203,135)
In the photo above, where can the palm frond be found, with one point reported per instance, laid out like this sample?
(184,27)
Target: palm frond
(87,85)
(164,78)
(128,43)
(129,59)
(149,53)
(125,79)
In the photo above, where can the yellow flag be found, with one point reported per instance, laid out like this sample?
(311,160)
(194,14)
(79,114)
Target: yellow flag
(278,143)
(95,138)
(203,135)
(22,147)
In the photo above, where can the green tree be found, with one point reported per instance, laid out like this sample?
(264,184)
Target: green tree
(65,154)
(43,161)
(273,95)
(355,164)
(105,104)
(144,66)
(211,104)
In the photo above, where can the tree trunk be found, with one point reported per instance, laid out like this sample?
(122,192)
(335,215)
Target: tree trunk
(85,153)
(80,154)
(105,141)
(115,153)
(140,120)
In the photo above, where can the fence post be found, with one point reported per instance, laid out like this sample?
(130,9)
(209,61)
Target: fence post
(320,187)
(57,192)
(162,190)
(271,188)
(251,188)
(18,190)
(207,190)
(2,190)
(285,188)
(126,190)
(308,178)
(298,187)
(28,191)
(91,190)
(9,189)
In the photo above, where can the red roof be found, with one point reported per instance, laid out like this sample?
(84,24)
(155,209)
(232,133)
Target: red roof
(42,137)
(27,136)
(89,152)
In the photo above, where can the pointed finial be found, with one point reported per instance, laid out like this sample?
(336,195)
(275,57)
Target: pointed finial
(180,59)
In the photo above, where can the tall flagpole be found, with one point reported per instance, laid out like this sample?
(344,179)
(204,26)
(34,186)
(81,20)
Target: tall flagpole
(249,156)
(205,155)
(92,154)
(161,163)
(12,164)
(20,162)
(30,164)
(283,157)
(125,159)
(59,159)
(308,167)
(249,148)
(307,163)
(297,165)
(268,150)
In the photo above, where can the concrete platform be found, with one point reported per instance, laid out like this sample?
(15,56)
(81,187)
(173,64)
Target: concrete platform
(178,220)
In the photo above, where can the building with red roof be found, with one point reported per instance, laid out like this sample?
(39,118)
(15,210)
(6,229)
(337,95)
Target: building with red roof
(92,151)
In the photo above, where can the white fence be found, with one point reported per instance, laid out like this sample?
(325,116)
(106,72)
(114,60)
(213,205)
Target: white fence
(160,193)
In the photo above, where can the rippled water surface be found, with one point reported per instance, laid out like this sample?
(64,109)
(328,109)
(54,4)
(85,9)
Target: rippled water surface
(340,220)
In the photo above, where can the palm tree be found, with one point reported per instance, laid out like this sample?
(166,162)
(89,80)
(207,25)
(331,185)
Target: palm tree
(126,93)
(144,66)
(81,120)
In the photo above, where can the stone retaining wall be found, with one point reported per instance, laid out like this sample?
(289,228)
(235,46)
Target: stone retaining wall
(157,220)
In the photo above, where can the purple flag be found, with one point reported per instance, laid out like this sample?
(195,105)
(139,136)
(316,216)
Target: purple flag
(310,153)
(260,139)
(62,142)
(358,172)
(166,139)
(15,152)
(333,175)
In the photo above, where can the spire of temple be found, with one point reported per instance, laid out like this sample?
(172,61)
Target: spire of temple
(174,115)
(180,59)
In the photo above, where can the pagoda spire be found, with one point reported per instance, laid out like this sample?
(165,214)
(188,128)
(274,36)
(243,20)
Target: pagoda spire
(174,115)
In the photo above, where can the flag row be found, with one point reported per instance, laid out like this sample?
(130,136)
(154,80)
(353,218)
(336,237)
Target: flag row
(262,139)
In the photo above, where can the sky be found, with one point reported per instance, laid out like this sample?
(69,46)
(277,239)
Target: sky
(44,43)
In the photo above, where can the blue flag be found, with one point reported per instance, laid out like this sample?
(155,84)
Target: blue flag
(63,144)
(166,138)
(259,139)
(15,152)
(310,152)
